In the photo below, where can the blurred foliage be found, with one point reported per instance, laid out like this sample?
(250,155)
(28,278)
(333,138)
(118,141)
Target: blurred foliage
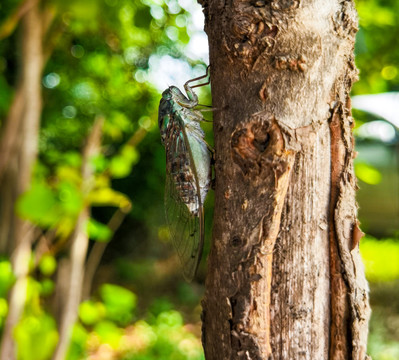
(367,173)
(161,335)
(377,57)
(381,259)
(384,329)
(100,54)
(108,327)
(377,53)
(383,338)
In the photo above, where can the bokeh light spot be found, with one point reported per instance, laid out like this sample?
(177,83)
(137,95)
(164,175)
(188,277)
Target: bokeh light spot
(389,72)
(77,51)
(69,111)
(51,80)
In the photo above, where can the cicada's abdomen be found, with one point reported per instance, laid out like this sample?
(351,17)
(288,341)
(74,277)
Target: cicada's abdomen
(202,161)
(186,186)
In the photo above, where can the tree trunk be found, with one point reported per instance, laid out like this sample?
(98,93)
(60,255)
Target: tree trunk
(285,278)
(80,243)
(19,143)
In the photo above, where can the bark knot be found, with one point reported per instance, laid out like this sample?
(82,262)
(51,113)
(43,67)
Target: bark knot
(258,148)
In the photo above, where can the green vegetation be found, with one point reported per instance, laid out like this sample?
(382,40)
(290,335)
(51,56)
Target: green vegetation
(104,60)
(107,326)
(377,58)
(377,55)
(381,259)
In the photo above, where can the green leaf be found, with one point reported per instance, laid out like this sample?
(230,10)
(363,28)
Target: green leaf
(47,287)
(121,165)
(119,303)
(77,349)
(65,227)
(99,163)
(7,277)
(47,265)
(36,336)
(367,173)
(39,204)
(3,308)
(73,158)
(69,174)
(98,231)
(130,154)
(170,319)
(381,259)
(91,312)
(108,197)
(71,199)
(109,333)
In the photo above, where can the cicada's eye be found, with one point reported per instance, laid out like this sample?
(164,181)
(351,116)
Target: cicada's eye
(167,94)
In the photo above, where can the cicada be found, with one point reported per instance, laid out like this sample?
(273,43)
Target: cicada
(188,172)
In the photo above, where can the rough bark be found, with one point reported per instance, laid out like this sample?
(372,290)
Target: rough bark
(285,278)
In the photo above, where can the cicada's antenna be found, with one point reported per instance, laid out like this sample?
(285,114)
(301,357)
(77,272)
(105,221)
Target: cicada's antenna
(199,78)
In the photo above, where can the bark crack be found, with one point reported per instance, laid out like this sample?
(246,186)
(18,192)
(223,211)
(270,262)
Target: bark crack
(259,151)
(349,299)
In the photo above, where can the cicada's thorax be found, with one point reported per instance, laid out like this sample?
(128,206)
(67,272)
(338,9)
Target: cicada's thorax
(181,165)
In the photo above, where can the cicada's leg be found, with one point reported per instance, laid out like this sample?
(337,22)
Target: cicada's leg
(211,150)
(199,78)
(208,110)
(189,89)
(195,115)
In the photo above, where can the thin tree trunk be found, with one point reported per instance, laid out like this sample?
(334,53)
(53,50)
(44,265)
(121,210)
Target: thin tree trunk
(285,278)
(24,120)
(97,251)
(8,26)
(74,279)
(80,242)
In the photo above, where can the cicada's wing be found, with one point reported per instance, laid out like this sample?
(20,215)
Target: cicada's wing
(184,210)
(186,230)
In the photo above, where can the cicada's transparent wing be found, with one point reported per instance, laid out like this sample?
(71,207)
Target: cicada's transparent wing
(186,229)
(183,206)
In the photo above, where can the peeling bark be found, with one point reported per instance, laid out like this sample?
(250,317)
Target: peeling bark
(285,279)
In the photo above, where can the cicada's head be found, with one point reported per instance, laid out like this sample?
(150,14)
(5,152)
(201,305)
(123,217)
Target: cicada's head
(167,94)
(171,92)
(174,92)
